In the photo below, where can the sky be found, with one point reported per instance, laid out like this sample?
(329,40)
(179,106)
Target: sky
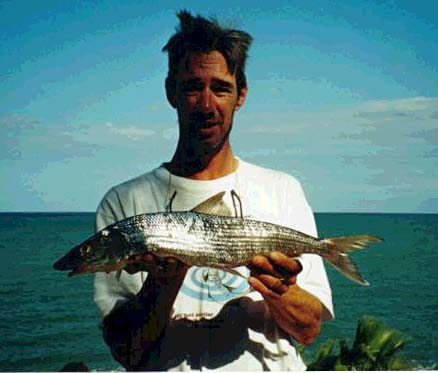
(343,95)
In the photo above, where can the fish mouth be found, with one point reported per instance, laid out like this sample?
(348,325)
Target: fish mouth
(78,270)
(67,262)
(74,269)
(93,268)
(61,265)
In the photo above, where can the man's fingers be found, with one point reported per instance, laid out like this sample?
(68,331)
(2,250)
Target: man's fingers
(290,280)
(261,264)
(166,266)
(276,264)
(274,283)
(259,286)
(289,264)
(147,257)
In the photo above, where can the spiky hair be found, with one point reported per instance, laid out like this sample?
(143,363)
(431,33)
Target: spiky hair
(201,35)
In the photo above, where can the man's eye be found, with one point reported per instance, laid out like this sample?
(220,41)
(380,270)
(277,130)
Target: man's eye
(187,88)
(222,89)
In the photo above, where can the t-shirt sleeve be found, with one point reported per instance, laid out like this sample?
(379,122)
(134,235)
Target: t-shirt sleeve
(313,278)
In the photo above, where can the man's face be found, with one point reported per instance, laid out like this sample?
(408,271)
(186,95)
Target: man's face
(205,96)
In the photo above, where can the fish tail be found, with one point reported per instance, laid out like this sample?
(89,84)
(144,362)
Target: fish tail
(339,247)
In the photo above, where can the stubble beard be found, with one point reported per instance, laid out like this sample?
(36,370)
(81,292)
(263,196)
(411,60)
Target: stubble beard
(198,152)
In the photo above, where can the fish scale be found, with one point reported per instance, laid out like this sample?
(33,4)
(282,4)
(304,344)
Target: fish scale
(199,239)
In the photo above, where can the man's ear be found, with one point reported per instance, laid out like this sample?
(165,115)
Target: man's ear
(171,91)
(241,98)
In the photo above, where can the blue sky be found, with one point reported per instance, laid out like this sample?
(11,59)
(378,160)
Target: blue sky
(342,94)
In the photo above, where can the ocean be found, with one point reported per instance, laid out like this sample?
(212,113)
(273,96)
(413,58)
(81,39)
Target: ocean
(48,319)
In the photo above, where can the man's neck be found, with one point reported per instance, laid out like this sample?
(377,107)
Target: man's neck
(220,164)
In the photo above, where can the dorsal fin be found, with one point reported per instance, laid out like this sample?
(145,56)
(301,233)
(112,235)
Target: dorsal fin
(214,205)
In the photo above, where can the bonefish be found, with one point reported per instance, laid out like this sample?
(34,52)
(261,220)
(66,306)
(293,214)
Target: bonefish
(205,237)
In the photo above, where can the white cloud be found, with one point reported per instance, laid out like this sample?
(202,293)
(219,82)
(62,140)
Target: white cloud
(400,105)
(378,151)
(258,153)
(23,137)
(16,122)
(429,136)
(171,133)
(412,112)
(356,119)
(131,132)
(109,133)
(271,128)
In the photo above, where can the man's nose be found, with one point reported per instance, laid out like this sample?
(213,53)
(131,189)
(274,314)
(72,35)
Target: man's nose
(206,101)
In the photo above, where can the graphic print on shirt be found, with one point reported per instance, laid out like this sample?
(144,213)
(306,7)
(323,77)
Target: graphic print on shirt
(214,285)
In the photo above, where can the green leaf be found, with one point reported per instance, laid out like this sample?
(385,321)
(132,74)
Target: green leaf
(399,363)
(374,348)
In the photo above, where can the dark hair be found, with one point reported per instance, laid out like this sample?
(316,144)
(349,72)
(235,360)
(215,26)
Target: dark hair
(200,35)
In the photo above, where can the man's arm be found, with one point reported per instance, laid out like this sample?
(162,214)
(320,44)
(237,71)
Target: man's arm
(297,312)
(133,330)
(298,308)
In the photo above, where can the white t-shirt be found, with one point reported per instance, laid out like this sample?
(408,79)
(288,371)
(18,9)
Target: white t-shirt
(209,318)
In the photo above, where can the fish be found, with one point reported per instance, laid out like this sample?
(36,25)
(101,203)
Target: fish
(206,236)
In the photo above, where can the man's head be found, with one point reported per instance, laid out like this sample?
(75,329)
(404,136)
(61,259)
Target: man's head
(197,35)
(206,82)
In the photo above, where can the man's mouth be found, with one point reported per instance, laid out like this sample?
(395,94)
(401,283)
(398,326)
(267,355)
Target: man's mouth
(197,125)
(201,120)
(205,130)
(205,125)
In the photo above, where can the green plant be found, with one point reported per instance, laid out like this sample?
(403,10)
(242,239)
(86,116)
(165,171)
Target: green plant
(375,348)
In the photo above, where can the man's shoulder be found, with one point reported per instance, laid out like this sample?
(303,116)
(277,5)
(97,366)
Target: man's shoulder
(266,174)
(274,196)
(130,195)
(137,183)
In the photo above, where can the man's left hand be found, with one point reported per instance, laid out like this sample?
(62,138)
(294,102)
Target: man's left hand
(297,312)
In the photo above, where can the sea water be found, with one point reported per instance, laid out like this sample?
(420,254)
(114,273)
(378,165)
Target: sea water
(48,319)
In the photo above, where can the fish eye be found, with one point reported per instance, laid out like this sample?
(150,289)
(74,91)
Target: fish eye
(84,250)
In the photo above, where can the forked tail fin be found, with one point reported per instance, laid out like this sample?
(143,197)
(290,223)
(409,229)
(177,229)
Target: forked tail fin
(339,247)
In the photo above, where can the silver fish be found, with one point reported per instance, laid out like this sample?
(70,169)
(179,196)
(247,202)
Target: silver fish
(204,237)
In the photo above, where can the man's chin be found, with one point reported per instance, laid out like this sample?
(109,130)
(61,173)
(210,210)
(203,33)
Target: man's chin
(208,145)
(207,132)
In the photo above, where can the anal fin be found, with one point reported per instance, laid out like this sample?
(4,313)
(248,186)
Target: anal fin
(233,272)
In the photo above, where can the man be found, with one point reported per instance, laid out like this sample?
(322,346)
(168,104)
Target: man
(161,315)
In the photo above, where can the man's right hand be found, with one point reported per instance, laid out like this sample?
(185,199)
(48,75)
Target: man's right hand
(133,330)
(157,267)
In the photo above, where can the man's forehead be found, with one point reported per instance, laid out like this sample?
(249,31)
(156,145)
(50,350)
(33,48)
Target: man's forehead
(193,63)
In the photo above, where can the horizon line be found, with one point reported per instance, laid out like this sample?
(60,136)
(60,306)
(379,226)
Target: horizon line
(315,212)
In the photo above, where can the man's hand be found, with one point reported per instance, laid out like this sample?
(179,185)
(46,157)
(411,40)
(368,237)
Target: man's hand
(134,329)
(162,269)
(296,312)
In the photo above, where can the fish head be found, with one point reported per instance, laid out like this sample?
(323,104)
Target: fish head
(101,252)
